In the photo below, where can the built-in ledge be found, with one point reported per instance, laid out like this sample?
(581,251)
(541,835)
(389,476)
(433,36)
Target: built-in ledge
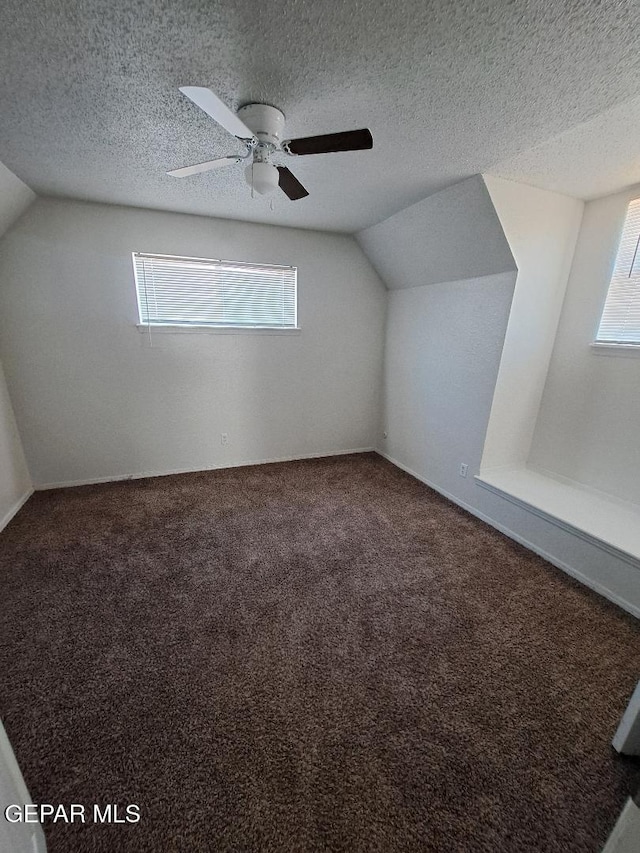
(611,523)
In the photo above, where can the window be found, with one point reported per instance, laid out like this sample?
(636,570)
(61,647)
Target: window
(620,322)
(175,291)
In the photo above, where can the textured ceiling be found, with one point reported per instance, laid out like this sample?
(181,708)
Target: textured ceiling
(90,104)
(592,159)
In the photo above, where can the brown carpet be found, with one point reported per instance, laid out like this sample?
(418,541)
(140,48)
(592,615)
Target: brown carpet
(320,655)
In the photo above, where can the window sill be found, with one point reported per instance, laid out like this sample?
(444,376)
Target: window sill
(143,328)
(619,350)
(588,513)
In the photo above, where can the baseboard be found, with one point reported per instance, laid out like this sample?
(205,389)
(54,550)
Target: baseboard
(15,509)
(141,475)
(629,606)
(566,526)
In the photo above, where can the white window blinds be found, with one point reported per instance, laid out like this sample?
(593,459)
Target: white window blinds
(620,322)
(175,291)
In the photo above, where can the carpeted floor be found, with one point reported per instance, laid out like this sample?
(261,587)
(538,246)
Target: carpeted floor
(320,655)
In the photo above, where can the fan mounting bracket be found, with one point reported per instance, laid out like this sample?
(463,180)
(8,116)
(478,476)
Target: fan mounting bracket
(265,121)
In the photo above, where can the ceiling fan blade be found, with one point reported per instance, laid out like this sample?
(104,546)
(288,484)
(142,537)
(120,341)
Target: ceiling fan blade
(203,167)
(348,140)
(219,111)
(290,185)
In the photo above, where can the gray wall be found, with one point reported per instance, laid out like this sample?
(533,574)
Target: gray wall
(443,347)
(93,400)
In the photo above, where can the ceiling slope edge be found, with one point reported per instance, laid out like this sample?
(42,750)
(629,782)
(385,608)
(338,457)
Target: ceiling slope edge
(452,235)
(15,198)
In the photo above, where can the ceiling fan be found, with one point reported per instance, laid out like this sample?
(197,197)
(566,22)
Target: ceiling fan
(260,128)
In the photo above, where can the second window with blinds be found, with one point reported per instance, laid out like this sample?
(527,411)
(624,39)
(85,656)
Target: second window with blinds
(206,292)
(620,321)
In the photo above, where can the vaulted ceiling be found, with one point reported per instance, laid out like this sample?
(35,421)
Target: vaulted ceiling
(90,108)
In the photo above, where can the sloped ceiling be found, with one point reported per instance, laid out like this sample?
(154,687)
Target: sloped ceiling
(15,198)
(90,104)
(452,235)
(595,158)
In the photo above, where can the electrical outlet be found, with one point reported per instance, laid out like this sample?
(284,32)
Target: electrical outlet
(463,469)
(385,434)
(224,438)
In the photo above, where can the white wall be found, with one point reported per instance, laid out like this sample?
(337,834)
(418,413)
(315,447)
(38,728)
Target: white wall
(589,420)
(542,228)
(93,400)
(625,834)
(443,346)
(15,837)
(15,482)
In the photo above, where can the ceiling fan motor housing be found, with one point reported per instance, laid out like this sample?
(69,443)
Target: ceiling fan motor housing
(266,122)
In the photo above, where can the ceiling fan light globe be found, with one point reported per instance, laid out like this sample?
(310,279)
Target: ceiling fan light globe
(263,177)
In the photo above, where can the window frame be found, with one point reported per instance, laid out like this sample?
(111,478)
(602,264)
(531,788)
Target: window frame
(609,347)
(146,327)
